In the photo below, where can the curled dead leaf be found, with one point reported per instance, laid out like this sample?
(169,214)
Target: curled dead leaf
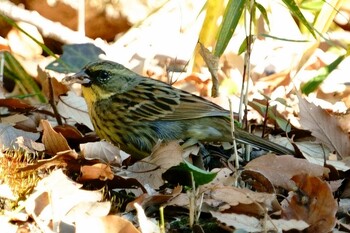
(313,202)
(280,169)
(54,142)
(97,171)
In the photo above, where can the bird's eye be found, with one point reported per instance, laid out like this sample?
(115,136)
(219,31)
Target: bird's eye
(103,76)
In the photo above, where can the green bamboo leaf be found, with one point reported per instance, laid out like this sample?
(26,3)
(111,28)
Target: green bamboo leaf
(243,46)
(292,6)
(281,122)
(323,73)
(231,17)
(26,83)
(15,25)
(263,12)
(43,46)
(313,5)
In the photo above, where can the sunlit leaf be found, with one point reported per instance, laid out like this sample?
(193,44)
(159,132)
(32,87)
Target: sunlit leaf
(234,10)
(76,56)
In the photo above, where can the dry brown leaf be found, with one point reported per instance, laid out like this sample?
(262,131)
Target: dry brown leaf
(55,196)
(68,131)
(224,176)
(103,151)
(16,104)
(149,170)
(145,200)
(324,127)
(54,142)
(9,134)
(13,119)
(88,208)
(181,200)
(235,200)
(97,171)
(61,159)
(212,62)
(235,196)
(146,225)
(57,87)
(74,107)
(280,169)
(194,83)
(252,224)
(106,224)
(313,203)
(29,145)
(257,181)
(344,122)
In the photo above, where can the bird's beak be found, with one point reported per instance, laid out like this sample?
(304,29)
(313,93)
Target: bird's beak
(80,77)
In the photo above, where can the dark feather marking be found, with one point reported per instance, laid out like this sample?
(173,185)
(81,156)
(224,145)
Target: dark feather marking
(163,106)
(168,100)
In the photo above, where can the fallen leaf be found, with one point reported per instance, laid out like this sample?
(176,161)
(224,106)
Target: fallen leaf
(313,202)
(55,196)
(149,170)
(97,171)
(107,224)
(74,107)
(257,181)
(9,134)
(232,199)
(13,119)
(252,224)
(88,208)
(324,127)
(30,145)
(103,151)
(61,159)
(146,224)
(54,142)
(68,131)
(212,63)
(57,87)
(280,169)
(16,104)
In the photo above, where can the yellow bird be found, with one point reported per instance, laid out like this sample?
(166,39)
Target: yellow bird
(136,112)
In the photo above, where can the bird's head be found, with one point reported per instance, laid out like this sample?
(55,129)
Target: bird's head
(104,78)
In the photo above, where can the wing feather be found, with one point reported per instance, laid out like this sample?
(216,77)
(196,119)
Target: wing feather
(161,101)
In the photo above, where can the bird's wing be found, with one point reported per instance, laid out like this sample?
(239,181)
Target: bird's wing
(159,101)
(192,106)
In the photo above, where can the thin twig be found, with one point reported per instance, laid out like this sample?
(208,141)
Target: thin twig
(52,102)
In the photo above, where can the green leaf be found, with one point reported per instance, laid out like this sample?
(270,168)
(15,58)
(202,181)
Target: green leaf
(243,46)
(233,12)
(292,6)
(15,25)
(182,174)
(263,12)
(76,56)
(25,82)
(323,73)
(314,5)
(271,114)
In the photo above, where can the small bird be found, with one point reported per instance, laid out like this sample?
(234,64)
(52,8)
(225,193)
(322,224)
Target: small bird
(136,112)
